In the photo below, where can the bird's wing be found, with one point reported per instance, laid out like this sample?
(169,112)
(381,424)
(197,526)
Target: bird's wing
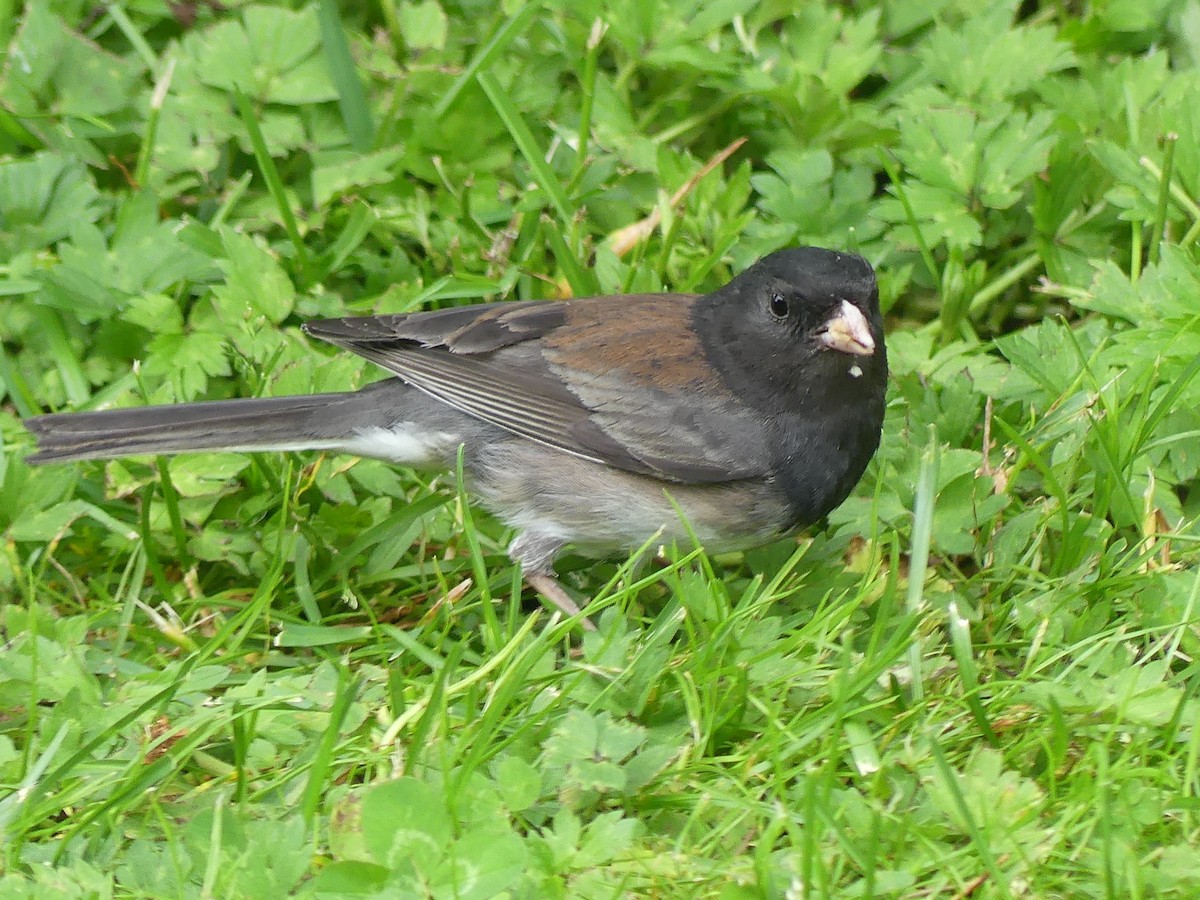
(618,380)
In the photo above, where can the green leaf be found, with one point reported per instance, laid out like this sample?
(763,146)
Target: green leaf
(271,54)
(255,282)
(49,524)
(42,199)
(519,783)
(405,824)
(95,85)
(805,192)
(424,25)
(340,172)
(350,878)
(297,634)
(187,361)
(990,58)
(480,865)
(194,475)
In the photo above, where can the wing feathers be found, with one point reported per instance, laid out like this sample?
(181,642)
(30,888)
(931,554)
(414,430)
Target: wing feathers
(608,379)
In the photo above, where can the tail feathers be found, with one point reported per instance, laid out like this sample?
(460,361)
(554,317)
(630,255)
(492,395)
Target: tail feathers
(319,421)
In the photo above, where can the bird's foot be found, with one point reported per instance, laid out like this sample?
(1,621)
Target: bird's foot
(547,585)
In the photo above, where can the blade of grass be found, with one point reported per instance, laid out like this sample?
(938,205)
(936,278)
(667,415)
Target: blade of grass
(233,195)
(1162,408)
(918,562)
(11,126)
(162,86)
(157,573)
(1135,250)
(954,289)
(171,501)
(391,21)
(630,236)
(495,660)
(960,645)
(18,389)
(1002,283)
(478,742)
(89,747)
(352,99)
(582,281)
(1189,772)
(126,597)
(978,839)
(387,528)
(70,370)
(225,639)
(8,18)
(418,739)
(587,90)
(302,580)
(523,138)
(492,632)
(141,776)
(358,225)
(347,691)
(488,52)
(1105,824)
(1178,194)
(127,28)
(212,865)
(10,805)
(893,174)
(270,174)
(1164,196)
(1037,460)
(242,729)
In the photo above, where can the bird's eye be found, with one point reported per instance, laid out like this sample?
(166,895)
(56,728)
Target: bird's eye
(778,306)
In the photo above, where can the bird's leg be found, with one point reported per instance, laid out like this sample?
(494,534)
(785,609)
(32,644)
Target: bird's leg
(547,585)
(535,553)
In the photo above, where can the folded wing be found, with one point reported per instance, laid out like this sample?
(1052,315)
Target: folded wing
(616,380)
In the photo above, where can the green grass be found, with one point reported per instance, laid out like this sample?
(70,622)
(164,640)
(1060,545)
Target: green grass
(259,676)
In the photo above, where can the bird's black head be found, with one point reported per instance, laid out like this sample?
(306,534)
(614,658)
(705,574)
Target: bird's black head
(798,337)
(798,321)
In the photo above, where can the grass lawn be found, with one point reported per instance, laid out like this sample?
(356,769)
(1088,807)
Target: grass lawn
(238,676)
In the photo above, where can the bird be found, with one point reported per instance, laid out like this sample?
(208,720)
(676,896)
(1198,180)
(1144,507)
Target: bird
(738,416)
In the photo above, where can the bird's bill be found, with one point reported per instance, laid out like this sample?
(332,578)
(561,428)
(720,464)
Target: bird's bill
(848,331)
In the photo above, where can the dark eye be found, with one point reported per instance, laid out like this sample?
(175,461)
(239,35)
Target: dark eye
(778,306)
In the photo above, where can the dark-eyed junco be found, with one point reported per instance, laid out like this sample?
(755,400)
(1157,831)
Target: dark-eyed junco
(754,409)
